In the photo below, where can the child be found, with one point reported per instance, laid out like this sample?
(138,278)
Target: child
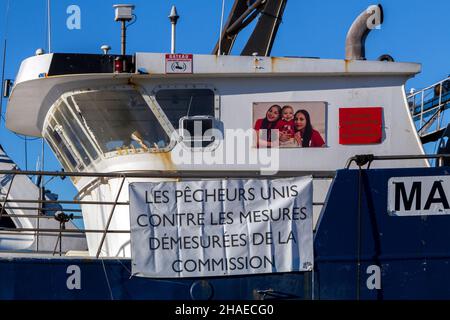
(286,127)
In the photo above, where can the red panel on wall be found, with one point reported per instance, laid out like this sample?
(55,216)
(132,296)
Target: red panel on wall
(360,125)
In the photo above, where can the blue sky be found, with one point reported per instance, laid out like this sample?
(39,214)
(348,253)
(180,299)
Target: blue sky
(413,31)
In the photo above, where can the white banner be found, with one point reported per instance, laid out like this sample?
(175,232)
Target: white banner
(220,228)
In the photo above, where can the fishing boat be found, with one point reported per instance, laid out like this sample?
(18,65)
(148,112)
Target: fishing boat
(227,177)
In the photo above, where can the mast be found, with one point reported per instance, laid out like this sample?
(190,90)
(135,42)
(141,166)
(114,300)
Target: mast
(4,59)
(173,17)
(263,36)
(49,27)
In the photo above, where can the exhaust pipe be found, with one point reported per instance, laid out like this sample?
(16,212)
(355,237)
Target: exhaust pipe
(355,43)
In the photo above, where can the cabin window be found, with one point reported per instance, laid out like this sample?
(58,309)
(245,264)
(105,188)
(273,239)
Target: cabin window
(75,121)
(179,103)
(196,131)
(121,121)
(192,110)
(54,136)
(67,138)
(87,124)
(69,132)
(65,142)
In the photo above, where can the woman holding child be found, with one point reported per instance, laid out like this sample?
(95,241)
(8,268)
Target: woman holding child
(294,129)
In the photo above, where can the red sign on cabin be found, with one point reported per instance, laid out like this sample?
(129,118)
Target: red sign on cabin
(360,125)
(179,63)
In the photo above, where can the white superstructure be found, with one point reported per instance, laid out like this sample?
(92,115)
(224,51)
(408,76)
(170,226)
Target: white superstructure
(122,122)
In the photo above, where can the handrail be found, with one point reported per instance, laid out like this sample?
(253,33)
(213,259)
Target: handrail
(63,231)
(36,216)
(64,202)
(109,219)
(434,98)
(6,197)
(195,174)
(36,208)
(364,159)
(38,204)
(429,87)
(360,160)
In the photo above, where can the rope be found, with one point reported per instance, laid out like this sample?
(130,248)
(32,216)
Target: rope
(107,280)
(125,267)
(26,154)
(359,235)
(132,22)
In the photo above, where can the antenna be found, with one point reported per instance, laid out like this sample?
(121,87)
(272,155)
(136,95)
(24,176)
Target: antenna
(124,13)
(4,55)
(221,28)
(173,17)
(105,48)
(49,27)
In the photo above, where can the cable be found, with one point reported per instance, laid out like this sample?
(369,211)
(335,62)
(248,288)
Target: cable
(107,280)
(4,54)
(3,75)
(133,22)
(20,136)
(26,154)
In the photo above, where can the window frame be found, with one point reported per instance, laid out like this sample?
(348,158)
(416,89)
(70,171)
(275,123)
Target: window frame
(216,116)
(69,99)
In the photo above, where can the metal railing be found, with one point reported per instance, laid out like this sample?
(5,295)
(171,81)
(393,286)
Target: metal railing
(367,159)
(40,208)
(428,106)
(40,203)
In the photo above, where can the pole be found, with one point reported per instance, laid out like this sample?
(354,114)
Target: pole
(221,28)
(3,76)
(172,47)
(124,38)
(173,17)
(49,27)
(4,56)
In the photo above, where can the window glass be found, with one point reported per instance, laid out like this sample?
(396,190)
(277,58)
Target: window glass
(66,126)
(178,103)
(60,148)
(70,113)
(120,119)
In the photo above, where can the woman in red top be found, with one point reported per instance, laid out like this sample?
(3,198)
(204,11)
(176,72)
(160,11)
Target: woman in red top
(264,138)
(305,135)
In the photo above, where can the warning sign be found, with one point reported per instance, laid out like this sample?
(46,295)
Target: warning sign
(179,63)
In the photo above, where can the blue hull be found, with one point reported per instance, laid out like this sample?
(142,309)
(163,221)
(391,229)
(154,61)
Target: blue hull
(354,237)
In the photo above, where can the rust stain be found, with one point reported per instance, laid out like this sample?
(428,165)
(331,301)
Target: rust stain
(166,159)
(256,63)
(275,61)
(347,65)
